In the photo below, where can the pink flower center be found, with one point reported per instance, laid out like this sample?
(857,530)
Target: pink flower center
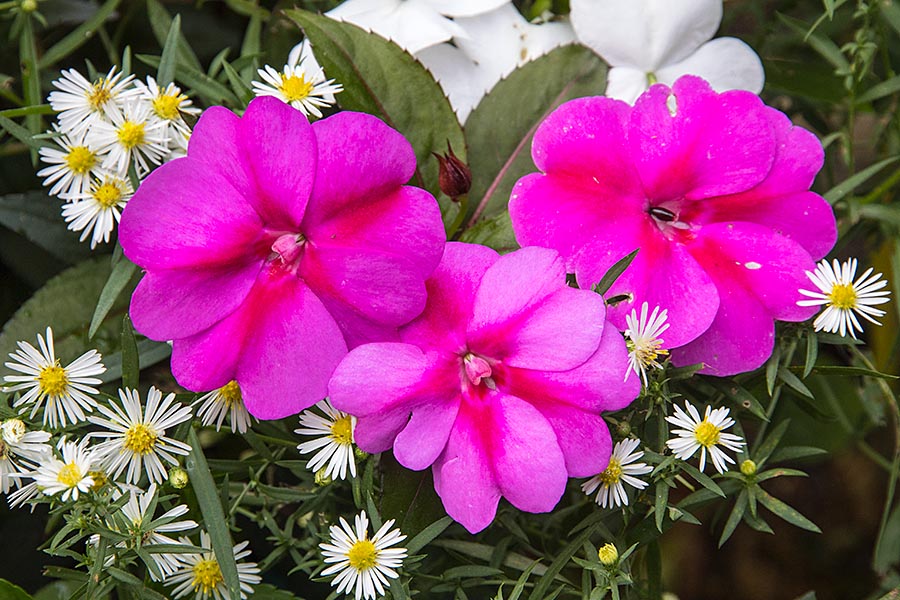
(477,369)
(288,248)
(671,218)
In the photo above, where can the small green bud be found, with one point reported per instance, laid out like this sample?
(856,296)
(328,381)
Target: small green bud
(748,468)
(178,477)
(28,6)
(623,429)
(608,555)
(321,478)
(360,454)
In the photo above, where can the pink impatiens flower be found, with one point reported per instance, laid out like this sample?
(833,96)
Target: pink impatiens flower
(275,245)
(499,384)
(714,191)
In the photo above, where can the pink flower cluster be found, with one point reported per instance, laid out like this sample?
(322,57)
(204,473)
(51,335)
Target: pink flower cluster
(292,259)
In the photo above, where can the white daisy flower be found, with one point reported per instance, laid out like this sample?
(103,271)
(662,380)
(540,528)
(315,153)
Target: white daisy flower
(137,439)
(644,344)
(845,298)
(24,494)
(65,389)
(136,518)
(20,451)
(706,435)
(622,468)
(81,104)
(96,213)
(70,166)
(168,104)
(71,475)
(133,133)
(225,400)
(334,440)
(301,83)
(362,564)
(201,575)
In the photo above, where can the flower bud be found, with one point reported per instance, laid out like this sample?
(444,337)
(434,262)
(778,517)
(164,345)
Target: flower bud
(28,6)
(623,429)
(13,431)
(359,453)
(748,468)
(322,479)
(608,555)
(99,478)
(454,176)
(178,477)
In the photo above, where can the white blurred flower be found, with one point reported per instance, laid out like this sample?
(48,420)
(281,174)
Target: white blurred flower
(301,83)
(412,24)
(648,41)
(644,344)
(20,452)
(81,103)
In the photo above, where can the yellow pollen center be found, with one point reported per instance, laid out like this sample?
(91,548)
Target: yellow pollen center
(4,450)
(131,134)
(107,195)
(231,393)
(70,475)
(140,439)
(166,107)
(207,576)
(100,479)
(98,95)
(53,380)
(363,555)
(843,296)
(342,431)
(294,87)
(80,160)
(707,434)
(647,353)
(612,473)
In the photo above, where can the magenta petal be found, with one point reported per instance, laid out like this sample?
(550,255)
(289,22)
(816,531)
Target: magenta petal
(685,156)
(451,293)
(463,476)
(360,158)
(279,147)
(214,141)
(294,337)
(582,436)
(523,304)
(528,463)
(424,438)
(176,303)
(186,215)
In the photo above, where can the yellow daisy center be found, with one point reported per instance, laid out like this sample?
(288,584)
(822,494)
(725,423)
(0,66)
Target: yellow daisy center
(207,576)
(140,439)
(4,450)
(342,431)
(100,479)
(131,134)
(231,394)
(98,95)
(363,555)
(53,380)
(707,434)
(613,472)
(295,88)
(80,160)
(108,194)
(843,296)
(648,352)
(70,475)
(167,106)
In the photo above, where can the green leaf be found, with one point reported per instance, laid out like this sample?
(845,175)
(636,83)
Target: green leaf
(885,213)
(37,109)
(880,90)
(789,453)
(887,551)
(10,591)
(466,571)
(119,279)
(22,134)
(485,552)
(812,353)
(36,217)
(241,89)
(409,497)
(845,371)
(495,233)
(78,36)
(31,75)
(788,513)
(767,447)
(161,24)
(614,272)
(165,73)
(540,590)
(737,513)
(212,91)
(821,44)
(793,382)
(891,13)
(738,396)
(149,353)
(522,581)
(661,497)
(500,129)
(780,472)
(382,79)
(131,365)
(702,478)
(213,515)
(847,186)
(424,537)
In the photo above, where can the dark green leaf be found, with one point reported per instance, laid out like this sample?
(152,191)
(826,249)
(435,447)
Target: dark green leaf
(149,353)
(812,353)
(165,73)
(880,90)
(119,279)
(382,79)
(212,91)
(614,272)
(793,382)
(161,23)
(780,472)
(737,513)
(78,36)
(213,515)
(131,366)
(885,213)
(38,109)
(796,452)
(788,513)
(849,372)
(36,217)
(22,134)
(495,233)
(10,591)
(500,128)
(409,497)
(847,186)
(661,497)
(767,447)
(424,537)
(702,478)
(738,396)
(819,42)
(31,75)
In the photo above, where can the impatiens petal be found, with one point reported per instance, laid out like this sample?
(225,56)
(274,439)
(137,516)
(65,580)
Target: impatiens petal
(681,156)
(424,438)
(645,34)
(451,294)
(186,215)
(521,306)
(726,63)
(214,141)
(177,303)
(279,147)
